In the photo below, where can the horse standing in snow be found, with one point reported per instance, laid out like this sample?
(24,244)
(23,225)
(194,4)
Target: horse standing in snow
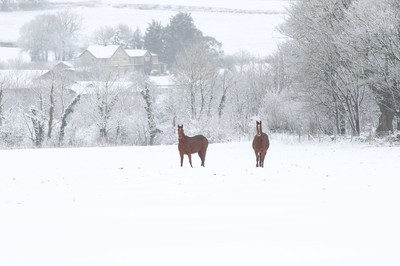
(188,145)
(260,145)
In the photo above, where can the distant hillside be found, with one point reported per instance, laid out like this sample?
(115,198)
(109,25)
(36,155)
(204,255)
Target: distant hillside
(182,8)
(240,26)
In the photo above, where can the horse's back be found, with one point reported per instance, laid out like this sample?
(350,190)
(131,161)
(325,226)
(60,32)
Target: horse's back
(201,141)
(195,144)
(266,139)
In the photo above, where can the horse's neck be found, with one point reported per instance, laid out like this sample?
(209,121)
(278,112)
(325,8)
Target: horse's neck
(183,139)
(259,131)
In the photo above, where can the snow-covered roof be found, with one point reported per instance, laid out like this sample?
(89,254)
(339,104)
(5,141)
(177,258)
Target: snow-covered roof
(102,52)
(64,64)
(135,52)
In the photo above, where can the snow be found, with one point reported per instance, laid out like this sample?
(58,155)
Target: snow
(9,54)
(135,52)
(313,204)
(101,51)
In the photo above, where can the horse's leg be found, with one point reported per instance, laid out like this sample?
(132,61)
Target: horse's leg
(262,158)
(256,158)
(181,159)
(190,159)
(202,155)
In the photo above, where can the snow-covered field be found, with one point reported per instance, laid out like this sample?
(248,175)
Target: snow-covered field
(243,30)
(313,204)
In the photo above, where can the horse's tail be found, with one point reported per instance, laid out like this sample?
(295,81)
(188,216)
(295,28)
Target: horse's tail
(259,157)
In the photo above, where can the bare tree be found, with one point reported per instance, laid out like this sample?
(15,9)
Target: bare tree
(330,78)
(196,73)
(64,117)
(227,81)
(51,33)
(104,35)
(6,5)
(104,98)
(4,86)
(69,27)
(151,123)
(375,44)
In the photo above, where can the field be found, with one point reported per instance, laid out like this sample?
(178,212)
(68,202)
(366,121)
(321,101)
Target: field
(239,25)
(313,204)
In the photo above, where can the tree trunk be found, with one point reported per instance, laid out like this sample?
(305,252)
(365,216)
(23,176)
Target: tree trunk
(153,130)
(385,120)
(65,115)
(38,127)
(1,107)
(51,112)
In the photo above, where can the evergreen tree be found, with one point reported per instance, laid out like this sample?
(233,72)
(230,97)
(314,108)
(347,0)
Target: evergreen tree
(137,41)
(154,37)
(180,30)
(116,39)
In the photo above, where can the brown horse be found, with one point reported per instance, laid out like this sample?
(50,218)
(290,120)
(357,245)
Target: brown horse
(188,145)
(260,145)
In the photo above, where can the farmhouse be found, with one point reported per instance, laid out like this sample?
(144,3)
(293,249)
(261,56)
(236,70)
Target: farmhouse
(125,59)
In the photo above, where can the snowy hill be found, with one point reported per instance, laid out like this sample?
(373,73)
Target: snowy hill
(239,25)
(325,204)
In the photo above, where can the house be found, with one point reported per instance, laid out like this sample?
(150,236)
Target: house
(20,85)
(65,71)
(124,59)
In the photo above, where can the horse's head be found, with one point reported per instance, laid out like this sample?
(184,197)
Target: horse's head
(259,128)
(180,132)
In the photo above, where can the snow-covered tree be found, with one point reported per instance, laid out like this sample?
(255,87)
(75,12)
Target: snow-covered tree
(195,75)
(373,38)
(4,86)
(177,33)
(154,37)
(103,35)
(149,107)
(47,33)
(329,77)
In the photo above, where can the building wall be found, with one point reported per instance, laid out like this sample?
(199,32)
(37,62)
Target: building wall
(119,58)
(87,57)
(154,59)
(137,60)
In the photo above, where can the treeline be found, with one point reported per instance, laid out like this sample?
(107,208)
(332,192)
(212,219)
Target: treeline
(12,5)
(217,96)
(342,64)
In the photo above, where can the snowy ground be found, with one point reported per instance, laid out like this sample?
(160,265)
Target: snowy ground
(313,204)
